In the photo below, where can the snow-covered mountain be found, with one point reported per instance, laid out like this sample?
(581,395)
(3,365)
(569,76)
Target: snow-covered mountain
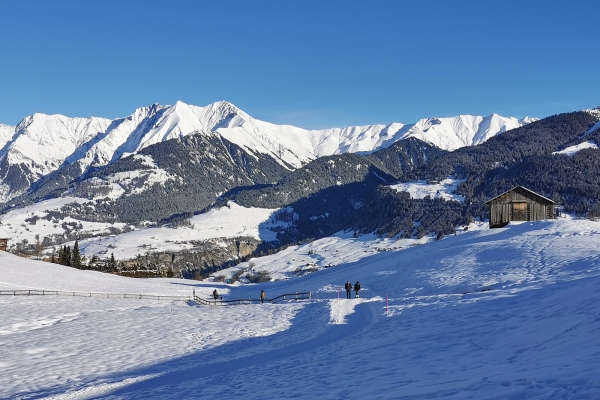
(6,133)
(41,143)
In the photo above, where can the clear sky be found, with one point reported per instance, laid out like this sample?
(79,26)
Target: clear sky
(312,64)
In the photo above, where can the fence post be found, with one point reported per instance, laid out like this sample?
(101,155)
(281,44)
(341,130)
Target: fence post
(386,304)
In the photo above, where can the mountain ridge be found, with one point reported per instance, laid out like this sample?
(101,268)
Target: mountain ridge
(41,143)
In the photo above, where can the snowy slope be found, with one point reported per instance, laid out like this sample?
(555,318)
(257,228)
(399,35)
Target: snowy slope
(25,223)
(572,150)
(42,143)
(446,189)
(464,130)
(489,314)
(6,133)
(227,222)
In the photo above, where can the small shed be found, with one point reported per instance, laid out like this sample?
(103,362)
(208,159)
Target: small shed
(3,239)
(519,204)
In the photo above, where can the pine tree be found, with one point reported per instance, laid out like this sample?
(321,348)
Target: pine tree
(112,264)
(76,256)
(93,263)
(61,256)
(67,256)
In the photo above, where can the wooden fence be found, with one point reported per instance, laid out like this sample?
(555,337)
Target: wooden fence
(27,292)
(280,298)
(299,296)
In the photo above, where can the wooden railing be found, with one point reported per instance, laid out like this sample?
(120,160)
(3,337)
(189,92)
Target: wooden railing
(298,296)
(280,298)
(27,292)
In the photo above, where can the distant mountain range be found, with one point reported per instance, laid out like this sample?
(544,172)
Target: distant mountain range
(43,144)
(164,165)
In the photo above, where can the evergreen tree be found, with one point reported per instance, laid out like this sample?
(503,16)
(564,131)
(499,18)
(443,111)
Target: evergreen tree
(76,257)
(61,256)
(67,256)
(112,264)
(93,263)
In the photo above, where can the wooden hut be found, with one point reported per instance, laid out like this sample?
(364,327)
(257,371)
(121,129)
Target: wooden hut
(519,204)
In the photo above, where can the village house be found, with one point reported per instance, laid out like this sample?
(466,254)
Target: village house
(519,204)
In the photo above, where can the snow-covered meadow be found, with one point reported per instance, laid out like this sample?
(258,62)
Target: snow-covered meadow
(511,313)
(225,222)
(445,189)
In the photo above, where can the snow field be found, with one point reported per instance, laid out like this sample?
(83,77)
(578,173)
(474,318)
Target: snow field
(339,249)
(572,150)
(70,339)
(446,189)
(224,222)
(14,222)
(508,313)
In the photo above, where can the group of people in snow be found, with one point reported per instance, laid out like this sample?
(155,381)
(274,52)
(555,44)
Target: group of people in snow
(348,287)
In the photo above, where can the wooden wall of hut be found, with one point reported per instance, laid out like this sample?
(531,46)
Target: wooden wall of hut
(519,204)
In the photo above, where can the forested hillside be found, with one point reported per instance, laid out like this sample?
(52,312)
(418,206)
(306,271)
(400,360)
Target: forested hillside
(177,176)
(348,192)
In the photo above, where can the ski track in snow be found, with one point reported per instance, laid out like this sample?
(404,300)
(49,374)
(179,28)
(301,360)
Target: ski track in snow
(508,313)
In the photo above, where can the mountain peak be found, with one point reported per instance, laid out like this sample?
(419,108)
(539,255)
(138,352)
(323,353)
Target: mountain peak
(42,143)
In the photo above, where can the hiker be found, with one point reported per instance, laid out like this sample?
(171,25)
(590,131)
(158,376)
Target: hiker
(348,287)
(357,288)
(262,296)
(215,294)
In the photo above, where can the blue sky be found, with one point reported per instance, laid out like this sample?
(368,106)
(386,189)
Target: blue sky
(312,64)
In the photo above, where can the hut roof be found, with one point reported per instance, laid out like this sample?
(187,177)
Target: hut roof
(524,188)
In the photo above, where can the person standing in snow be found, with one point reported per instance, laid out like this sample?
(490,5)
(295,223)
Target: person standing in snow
(262,296)
(348,287)
(357,288)
(215,294)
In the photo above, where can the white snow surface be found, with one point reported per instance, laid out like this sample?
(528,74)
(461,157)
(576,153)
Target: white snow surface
(6,133)
(16,224)
(44,142)
(446,189)
(225,222)
(572,150)
(489,314)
